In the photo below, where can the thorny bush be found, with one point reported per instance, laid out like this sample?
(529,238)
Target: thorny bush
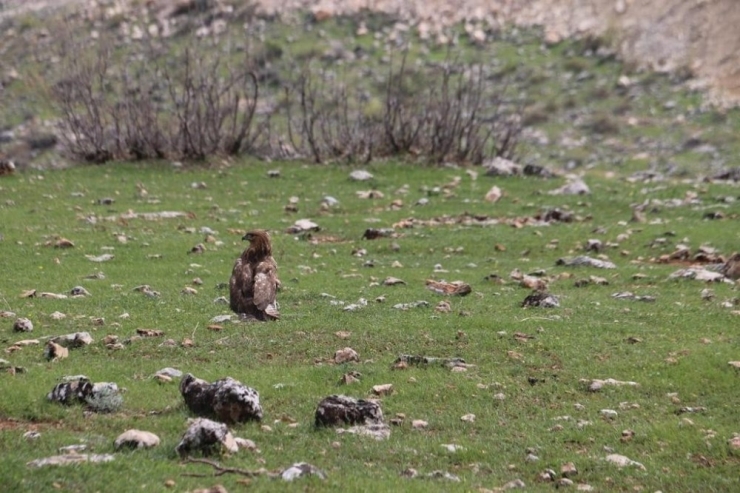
(193,106)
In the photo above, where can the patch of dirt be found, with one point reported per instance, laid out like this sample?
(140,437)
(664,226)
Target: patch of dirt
(10,424)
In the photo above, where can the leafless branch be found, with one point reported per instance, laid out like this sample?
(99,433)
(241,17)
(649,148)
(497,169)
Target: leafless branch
(220,470)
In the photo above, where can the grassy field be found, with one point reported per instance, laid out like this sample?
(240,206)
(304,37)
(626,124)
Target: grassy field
(530,368)
(527,395)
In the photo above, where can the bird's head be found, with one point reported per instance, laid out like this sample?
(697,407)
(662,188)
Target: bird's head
(259,243)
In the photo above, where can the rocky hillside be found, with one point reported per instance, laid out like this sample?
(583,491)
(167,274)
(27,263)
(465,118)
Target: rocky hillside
(569,101)
(695,36)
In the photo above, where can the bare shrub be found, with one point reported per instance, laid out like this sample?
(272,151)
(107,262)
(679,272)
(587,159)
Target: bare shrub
(81,98)
(328,121)
(189,107)
(214,113)
(193,105)
(444,114)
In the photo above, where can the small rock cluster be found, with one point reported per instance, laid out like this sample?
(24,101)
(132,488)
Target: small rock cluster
(338,410)
(207,437)
(99,397)
(227,400)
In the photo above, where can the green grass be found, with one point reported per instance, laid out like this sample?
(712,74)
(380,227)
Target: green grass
(289,361)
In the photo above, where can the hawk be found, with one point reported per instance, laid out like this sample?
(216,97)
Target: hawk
(731,268)
(254,281)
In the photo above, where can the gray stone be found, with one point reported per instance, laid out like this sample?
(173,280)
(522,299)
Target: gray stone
(207,437)
(574,187)
(70,459)
(376,431)
(101,397)
(74,340)
(330,201)
(585,261)
(22,324)
(541,299)
(360,175)
(502,167)
(170,372)
(79,291)
(301,469)
(227,400)
(136,439)
(623,461)
(338,410)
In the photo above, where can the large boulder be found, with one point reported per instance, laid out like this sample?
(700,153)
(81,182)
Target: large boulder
(207,437)
(339,410)
(227,400)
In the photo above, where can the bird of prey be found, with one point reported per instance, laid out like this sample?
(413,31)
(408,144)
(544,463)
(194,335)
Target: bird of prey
(254,281)
(7,167)
(731,268)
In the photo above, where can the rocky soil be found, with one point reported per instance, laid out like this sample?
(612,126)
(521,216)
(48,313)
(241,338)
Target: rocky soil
(697,36)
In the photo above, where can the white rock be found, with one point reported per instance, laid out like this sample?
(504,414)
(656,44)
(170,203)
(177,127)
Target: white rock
(502,167)
(609,413)
(330,201)
(515,484)
(585,260)
(303,225)
(170,372)
(623,461)
(379,431)
(136,439)
(494,194)
(360,175)
(346,355)
(100,258)
(245,444)
(575,187)
(597,384)
(301,469)
(73,449)
(23,324)
(451,447)
(74,340)
(206,436)
(65,460)
(79,291)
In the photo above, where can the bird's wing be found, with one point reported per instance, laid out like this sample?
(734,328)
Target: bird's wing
(241,277)
(265,284)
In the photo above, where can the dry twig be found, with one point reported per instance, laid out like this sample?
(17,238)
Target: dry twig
(221,470)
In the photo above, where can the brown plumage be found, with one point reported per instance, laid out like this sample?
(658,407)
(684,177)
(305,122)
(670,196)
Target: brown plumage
(7,167)
(731,268)
(254,281)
